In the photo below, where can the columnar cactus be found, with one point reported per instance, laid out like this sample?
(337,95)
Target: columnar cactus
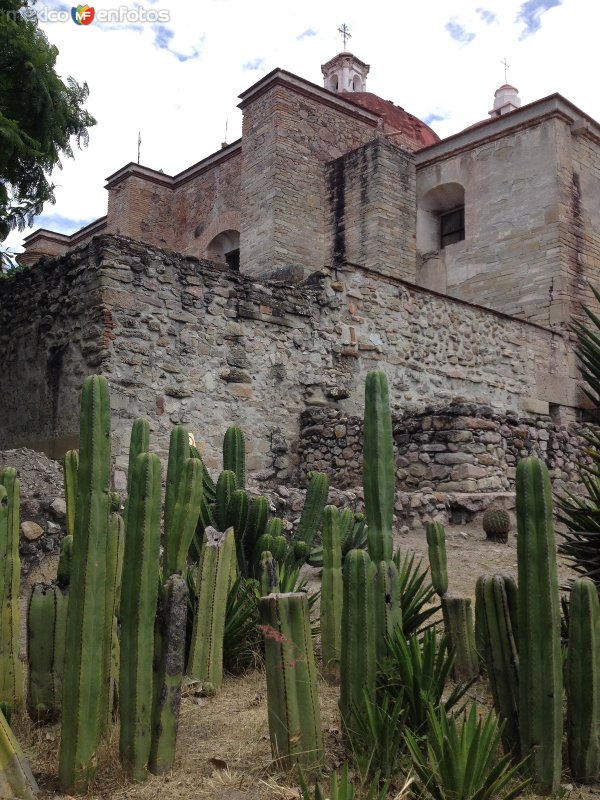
(214,579)
(16,778)
(139,587)
(312,511)
(497,600)
(353,536)
(540,659)
(293,703)
(11,669)
(332,594)
(46,628)
(583,682)
(458,622)
(65,560)
(82,686)
(388,613)
(269,574)
(234,455)
(378,468)
(115,544)
(70,467)
(225,490)
(179,452)
(358,661)
(255,527)
(183,518)
(169,663)
(436,546)
(139,442)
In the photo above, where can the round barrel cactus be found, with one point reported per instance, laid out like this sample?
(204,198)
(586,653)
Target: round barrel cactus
(496,524)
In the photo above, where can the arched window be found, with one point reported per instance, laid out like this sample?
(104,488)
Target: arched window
(225,247)
(357,84)
(333,83)
(441,217)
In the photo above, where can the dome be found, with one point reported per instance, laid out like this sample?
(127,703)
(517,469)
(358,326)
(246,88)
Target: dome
(395,119)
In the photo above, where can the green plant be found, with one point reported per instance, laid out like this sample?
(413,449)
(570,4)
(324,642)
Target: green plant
(293,703)
(139,589)
(583,682)
(416,593)
(115,544)
(353,536)
(46,625)
(417,668)
(458,622)
(453,764)
(496,524)
(234,455)
(312,511)
(139,442)
(375,741)
(180,525)
(332,591)
(242,642)
(63,575)
(436,548)
(341,788)
(214,579)
(378,468)
(84,640)
(70,467)
(358,661)
(540,658)
(11,668)
(497,596)
(269,574)
(16,778)
(169,663)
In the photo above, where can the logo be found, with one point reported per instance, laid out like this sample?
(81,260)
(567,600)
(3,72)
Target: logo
(82,15)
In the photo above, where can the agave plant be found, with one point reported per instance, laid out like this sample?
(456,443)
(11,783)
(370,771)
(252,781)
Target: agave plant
(417,594)
(342,788)
(579,512)
(375,741)
(417,669)
(459,762)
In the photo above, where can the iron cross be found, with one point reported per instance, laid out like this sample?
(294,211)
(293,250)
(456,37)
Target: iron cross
(345,31)
(505,68)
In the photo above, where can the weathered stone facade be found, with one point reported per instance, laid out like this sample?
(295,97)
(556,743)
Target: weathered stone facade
(187,341)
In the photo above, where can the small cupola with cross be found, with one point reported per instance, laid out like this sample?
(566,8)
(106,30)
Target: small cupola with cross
(506,98)
(345,72)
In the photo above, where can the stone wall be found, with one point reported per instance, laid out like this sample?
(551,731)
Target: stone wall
(372,209)
(462,447)
(186,341)
(54,329)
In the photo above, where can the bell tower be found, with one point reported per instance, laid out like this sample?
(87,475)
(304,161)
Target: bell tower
(345,73)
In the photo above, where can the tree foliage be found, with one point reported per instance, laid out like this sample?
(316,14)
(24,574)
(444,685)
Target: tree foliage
(39,115)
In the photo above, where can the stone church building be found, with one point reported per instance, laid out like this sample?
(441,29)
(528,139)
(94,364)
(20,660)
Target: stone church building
(337,235)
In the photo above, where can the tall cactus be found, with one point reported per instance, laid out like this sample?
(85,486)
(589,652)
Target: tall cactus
(312,511)
(179,452)
(183,518)
(214,578)
(11,669)
(46,628)
(583,682)
(436,547)
(332,593)
(16,778)
(234,455)
(225,490)
(139,442)
(82,687)
(139,589)
(169,663)
(497,598)
(293,703)
(378,468)
(65,561)
(540,659)
(458,622)
(70,467)
(269,574)
(358,663)
(115,544)
(388,612)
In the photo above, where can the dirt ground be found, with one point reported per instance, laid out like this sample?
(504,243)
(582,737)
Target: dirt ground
(223,748)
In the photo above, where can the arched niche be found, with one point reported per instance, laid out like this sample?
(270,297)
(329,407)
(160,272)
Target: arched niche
(225,247)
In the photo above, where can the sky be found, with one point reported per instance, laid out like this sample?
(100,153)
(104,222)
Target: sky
(173,70)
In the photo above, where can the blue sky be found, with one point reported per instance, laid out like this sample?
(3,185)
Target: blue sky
(177,81)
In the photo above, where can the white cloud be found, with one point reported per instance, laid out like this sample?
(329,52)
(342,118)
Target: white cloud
(181,95)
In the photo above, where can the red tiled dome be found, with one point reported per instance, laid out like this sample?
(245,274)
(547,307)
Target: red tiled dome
(394,117)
